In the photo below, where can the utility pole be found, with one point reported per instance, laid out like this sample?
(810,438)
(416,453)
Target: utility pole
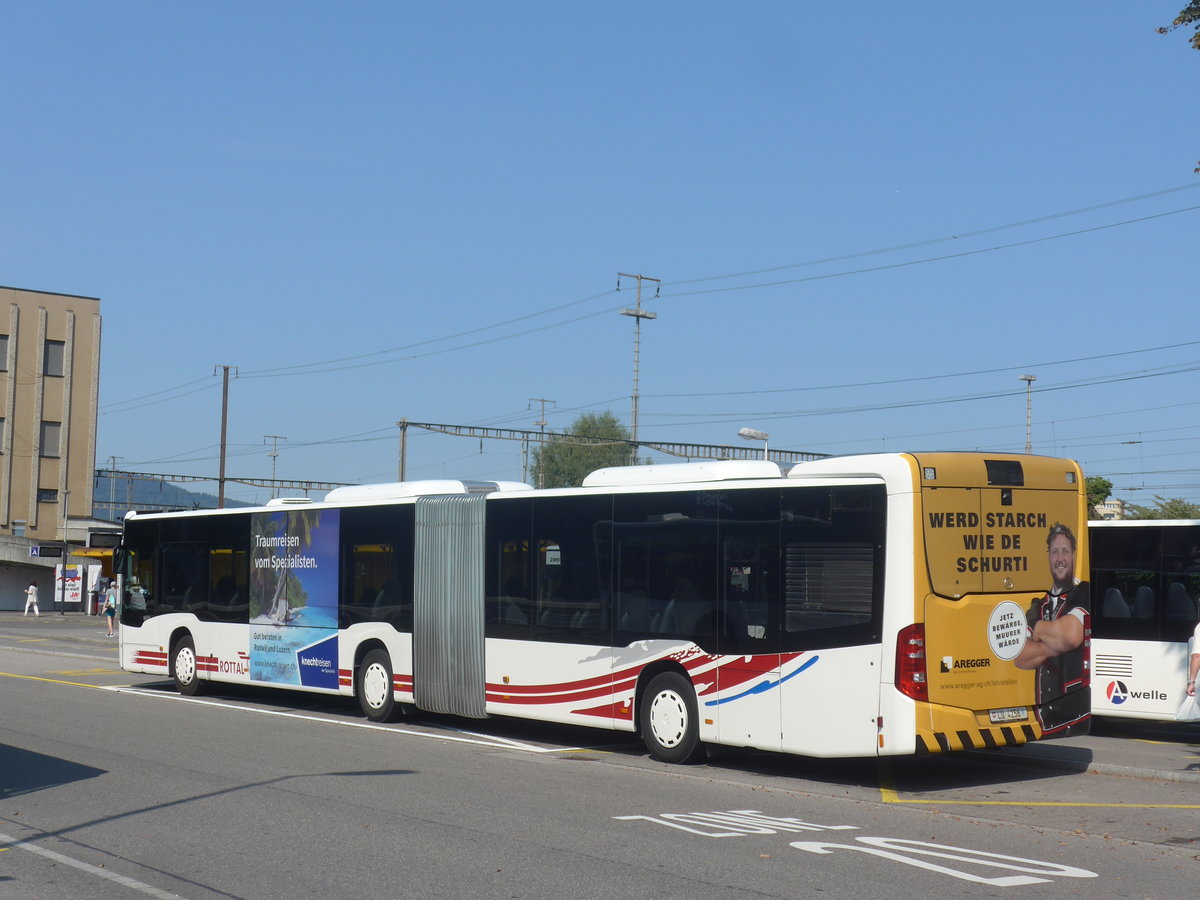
(224,430)
(274,454)
(1029,380)
(65,552)
(541,423)
(637,313)
(112,485)
(403,425)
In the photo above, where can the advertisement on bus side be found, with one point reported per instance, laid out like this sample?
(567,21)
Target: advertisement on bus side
(293,597)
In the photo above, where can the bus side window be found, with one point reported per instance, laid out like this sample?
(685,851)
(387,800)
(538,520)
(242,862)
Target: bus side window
(668,562)
(229,569)
(571,570)
(832,548)
(1128,562)
(749,620)
(184,578)
(377,566)
(507,594)
(138,570)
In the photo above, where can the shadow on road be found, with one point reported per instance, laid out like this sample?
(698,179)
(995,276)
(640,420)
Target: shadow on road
(938,772)
(23,771)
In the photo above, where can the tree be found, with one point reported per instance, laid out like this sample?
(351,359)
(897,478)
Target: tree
(1099,489)
(1188,15)
(1165,508)
(563,463)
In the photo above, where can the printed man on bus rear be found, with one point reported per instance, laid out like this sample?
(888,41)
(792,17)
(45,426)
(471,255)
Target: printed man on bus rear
(1056,644)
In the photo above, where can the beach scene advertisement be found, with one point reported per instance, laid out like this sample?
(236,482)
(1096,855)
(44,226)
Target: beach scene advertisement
(293,597)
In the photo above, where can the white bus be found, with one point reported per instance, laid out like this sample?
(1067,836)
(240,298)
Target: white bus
(1145,580)
(849,606)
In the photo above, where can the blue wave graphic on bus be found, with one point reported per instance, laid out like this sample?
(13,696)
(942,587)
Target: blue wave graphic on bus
(763,686)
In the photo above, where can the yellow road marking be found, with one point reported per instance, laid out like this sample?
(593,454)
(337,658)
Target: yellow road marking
(48,680)
(888,793)
(1054,803)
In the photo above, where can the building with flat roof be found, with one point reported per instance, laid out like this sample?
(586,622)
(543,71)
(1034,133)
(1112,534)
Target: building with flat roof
(49,394)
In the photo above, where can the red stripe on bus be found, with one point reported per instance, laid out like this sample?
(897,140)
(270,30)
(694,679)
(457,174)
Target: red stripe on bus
(622,711)
(570,692)
(691,659)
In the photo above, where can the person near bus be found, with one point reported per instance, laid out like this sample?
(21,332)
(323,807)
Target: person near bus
(1058,624)
(1194,662)
(110,606)
(31,599)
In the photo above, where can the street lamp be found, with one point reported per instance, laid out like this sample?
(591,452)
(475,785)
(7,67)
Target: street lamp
(752,434)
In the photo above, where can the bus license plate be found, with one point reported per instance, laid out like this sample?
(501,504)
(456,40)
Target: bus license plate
(1011,714)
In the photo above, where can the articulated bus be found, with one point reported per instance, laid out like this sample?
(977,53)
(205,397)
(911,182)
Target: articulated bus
(855,606)
(1146,579)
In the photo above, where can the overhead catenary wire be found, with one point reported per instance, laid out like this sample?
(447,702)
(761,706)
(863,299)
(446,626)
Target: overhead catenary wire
(963,235)
(932,259)
(724,417)
(335,364)
(388,356)
(321,368)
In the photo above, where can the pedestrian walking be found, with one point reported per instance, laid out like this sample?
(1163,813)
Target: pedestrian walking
(31,599)
(110,606)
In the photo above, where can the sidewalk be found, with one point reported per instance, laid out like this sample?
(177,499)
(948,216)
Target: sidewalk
(72,626)
(1168,751)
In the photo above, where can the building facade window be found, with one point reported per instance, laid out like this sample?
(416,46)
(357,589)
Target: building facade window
(47,495)
(53,358)
(51,435)
(3,352)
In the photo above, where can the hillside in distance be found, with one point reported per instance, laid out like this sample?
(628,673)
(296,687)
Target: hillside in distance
(113,497)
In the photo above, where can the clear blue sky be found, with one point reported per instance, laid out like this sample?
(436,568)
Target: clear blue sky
(868,221)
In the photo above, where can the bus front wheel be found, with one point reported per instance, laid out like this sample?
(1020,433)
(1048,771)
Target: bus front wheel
(184,670)
(668,719)
(374,689)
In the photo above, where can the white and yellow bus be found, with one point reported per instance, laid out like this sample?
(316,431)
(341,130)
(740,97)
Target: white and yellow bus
(852,606)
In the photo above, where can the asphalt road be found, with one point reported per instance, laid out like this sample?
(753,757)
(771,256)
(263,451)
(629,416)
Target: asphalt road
(113,786)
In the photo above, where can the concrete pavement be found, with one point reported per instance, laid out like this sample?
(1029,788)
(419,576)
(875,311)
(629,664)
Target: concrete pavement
(73,627)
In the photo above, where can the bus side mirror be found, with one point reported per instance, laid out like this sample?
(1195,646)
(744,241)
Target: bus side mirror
(122,561)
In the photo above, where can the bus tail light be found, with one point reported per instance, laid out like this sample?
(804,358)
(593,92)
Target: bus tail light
(912,678)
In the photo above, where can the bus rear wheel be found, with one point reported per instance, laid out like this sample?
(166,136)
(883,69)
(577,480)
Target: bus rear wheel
(668,719)
(184,670)
(376,695)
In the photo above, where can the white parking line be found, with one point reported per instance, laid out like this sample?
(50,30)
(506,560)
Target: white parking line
(123,880)
(445,733)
